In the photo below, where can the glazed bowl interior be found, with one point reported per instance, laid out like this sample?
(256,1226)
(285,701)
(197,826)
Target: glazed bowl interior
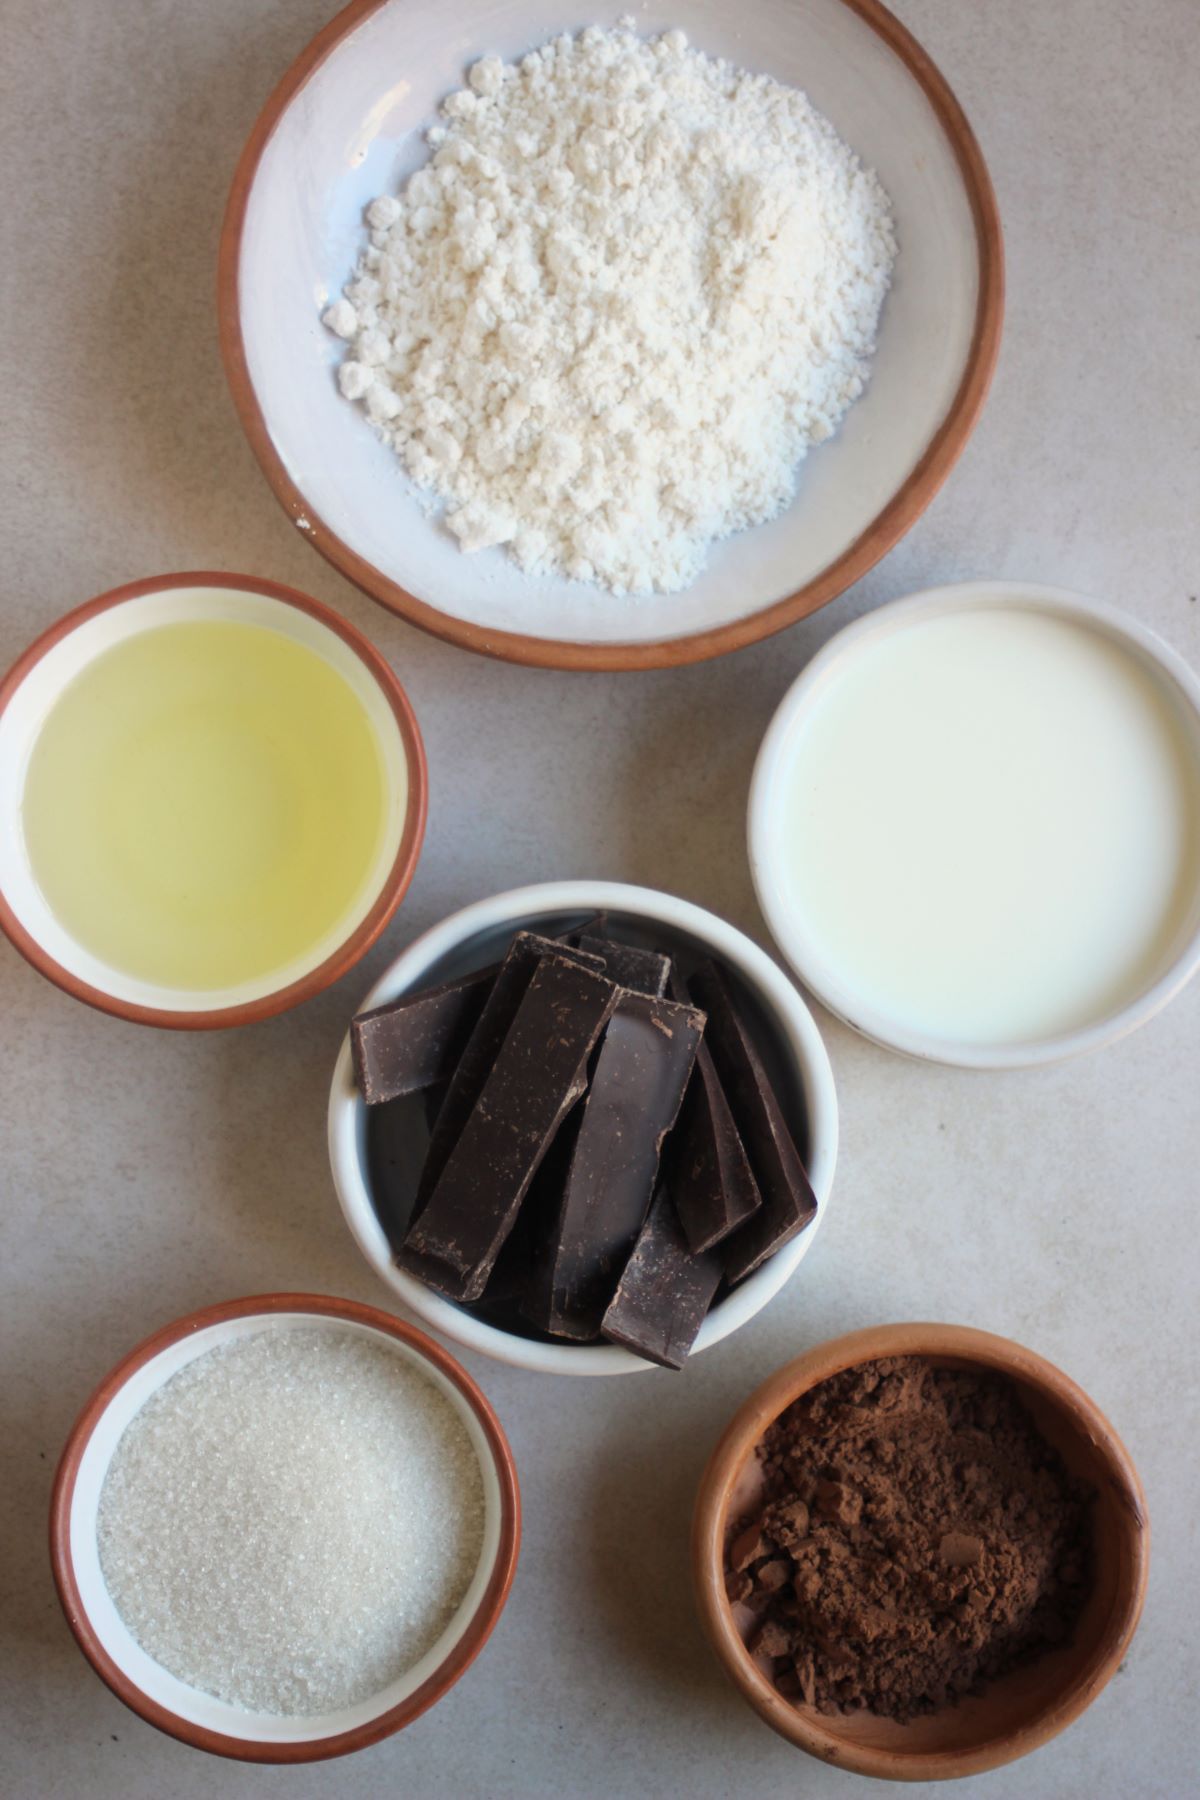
(162,1697)
(1014,1714)
(347,124)
(784,1031)
(37,682)
(1144,974)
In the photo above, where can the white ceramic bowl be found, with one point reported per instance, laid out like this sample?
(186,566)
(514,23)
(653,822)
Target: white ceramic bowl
(37,679)
(476,936)
(1172,963)
(142,1683)
(346,124)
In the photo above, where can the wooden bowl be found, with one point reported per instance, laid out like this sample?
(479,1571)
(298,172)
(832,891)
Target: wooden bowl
(1023,1710)
(34,683)
(144,1685)
(346,124)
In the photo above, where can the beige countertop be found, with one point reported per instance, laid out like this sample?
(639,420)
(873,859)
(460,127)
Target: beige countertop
(143,1174)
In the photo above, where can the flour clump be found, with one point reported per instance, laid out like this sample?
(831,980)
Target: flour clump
(606,320)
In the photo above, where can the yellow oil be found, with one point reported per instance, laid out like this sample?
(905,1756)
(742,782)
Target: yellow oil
(205,804)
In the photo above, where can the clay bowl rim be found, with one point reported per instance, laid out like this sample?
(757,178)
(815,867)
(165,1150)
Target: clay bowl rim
(960,1342)
(463,1653)
(393,888)
(879,536)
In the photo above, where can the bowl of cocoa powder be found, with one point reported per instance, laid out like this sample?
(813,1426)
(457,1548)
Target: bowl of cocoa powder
(920,1551)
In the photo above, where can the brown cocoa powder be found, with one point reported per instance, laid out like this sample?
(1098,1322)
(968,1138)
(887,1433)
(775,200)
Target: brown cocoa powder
(916,1538)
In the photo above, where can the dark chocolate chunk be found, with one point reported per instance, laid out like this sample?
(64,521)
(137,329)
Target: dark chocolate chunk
(788,1204)
(641,971)
(711,1180)
(597,925)
(664,1291)
(434,1097)
(637,1084)
(539,1073)
(483,1046)
(397,1134)
(416,1041)
(395,1147)
(509,1281)
(433,1272)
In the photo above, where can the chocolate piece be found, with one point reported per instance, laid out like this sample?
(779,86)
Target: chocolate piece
(525,952)
(435,1273)
(416,1041)
(509,1281)
(641,971)
(597,925)
(395,1147)
(637,1085)
(539,1073)
(711,1181)
(788,1203)
(664,1291)
(434,1097)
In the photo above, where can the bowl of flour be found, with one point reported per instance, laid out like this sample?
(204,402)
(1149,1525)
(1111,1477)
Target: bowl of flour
(609,345)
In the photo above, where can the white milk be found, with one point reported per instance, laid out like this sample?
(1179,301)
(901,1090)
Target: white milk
(988,826)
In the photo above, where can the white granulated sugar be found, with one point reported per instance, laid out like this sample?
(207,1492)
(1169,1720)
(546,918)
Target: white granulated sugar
(607,319)
(290,1522)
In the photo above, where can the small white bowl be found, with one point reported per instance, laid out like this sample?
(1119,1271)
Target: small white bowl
(35,682)
(476,936)
(200,1719)
(346,123)
(1168,965)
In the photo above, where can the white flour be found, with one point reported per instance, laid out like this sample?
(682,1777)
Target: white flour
(607,319)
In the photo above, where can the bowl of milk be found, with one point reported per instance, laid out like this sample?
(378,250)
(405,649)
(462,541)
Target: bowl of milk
(975,824)
(212,798)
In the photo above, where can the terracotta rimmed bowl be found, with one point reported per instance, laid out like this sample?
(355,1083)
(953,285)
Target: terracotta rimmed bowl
(1025,1709)
(346,123)
(144,1685)
(36,681)
(787,1038)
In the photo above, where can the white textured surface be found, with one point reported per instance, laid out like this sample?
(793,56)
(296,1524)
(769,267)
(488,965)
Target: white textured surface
(608,317)
(141,1174)
(291,1521)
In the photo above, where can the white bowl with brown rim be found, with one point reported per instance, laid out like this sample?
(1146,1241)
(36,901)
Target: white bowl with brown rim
(37,680)
(785,1032)
(144,1685)
(346,123)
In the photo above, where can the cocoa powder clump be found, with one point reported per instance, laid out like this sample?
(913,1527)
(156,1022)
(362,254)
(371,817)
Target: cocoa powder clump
(916,1538)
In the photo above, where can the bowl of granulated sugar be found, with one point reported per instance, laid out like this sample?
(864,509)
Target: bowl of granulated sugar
(609,348)
(284,1526)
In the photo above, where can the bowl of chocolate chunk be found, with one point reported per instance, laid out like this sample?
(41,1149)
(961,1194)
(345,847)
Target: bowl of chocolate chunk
(920,1551)
(584,1128)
